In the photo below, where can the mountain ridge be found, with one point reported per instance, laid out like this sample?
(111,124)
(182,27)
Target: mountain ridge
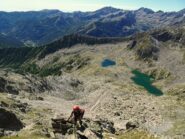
(42,27)
(105,7)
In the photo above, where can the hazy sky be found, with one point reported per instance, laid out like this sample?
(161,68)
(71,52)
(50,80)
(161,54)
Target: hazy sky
(89,5)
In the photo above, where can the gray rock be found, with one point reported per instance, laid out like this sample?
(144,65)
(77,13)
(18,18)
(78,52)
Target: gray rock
(132,125)
(61,126)
(45,132)
(9,121)
(107,126)
(23,107)
(89,129)
(39,98)
(4,104)
(1,132)
(117,114)
(6,86)
(132,44)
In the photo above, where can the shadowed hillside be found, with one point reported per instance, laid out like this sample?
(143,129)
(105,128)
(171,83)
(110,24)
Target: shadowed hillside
(7,42)
(15,57)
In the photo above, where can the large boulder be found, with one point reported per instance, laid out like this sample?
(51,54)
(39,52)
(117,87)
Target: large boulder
(6,86)
(1,132)
(107,126)
(23,107)
(9,121)
(89,130)
(61,126)
(87,134)
(132,125)
(3,104)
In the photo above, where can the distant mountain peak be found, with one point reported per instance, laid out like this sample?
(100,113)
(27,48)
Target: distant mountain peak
(160,11)
(146,10)
(108,9)
(182,11)
(50,11)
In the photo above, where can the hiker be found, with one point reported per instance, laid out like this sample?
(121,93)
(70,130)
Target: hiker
(77,114)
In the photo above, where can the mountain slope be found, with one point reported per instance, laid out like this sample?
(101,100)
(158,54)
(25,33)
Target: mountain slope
(45,26)
(118,24)
(15,57)
(7,41)
(149,44)
(146,44)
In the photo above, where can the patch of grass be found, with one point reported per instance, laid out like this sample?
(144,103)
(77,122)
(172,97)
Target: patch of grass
(136,135)
(183,59)
(3,97)
(15,57)
(133,134)
(31,68)
(178,92)
(70,96)
(74,62)
(25,136)
(43,72)
(52,70)
(178,127)
(55,59)
(158,74)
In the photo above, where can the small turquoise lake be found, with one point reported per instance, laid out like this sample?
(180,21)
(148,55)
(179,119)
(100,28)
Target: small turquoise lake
(145,81)
(107,63)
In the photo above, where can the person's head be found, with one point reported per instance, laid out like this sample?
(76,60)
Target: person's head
(76,108)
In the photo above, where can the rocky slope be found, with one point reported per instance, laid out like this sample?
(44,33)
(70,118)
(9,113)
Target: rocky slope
(73,74)
(26,56)
(148,44)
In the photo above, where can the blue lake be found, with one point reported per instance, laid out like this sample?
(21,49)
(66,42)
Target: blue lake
(107,63)
(146,81)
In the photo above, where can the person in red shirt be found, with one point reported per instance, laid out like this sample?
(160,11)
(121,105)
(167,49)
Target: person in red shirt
(77,114)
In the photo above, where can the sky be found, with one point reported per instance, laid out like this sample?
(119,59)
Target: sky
(90,5)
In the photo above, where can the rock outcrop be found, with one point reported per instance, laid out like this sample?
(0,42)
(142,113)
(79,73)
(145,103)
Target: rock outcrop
(132,125)
(23,107)
(14,83)
(5,86)
(89,129)
(9,121)
(1,132)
